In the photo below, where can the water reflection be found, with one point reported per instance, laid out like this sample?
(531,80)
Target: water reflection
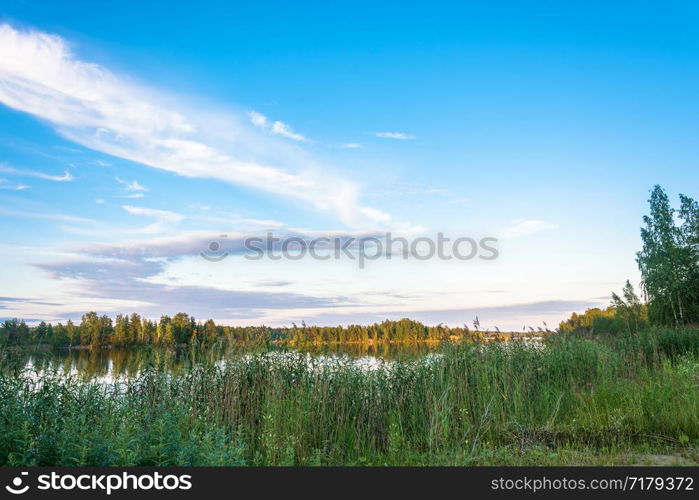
(128,362)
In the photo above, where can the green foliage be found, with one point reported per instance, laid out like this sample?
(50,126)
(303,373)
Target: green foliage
(669,260)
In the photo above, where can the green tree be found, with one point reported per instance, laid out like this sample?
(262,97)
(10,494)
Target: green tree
(72,334)
(59,335)
(89,328)
(162,331)
(95,330)
(668,261)
(41,333)
(10,331)
(135,331)
(210,331)
(121,328)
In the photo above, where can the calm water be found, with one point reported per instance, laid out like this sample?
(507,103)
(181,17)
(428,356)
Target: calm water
(113,363)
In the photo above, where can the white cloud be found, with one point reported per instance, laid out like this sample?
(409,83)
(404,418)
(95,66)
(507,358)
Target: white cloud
(258,119)
(527,227)
(266,223)
(164,218)
(434,190)
(12,187)
(376,215)
(352,145)
(275,128)
(93,107)
(281,128)
(394,135)
(199,206)
(132,186)
(39,175)
(15,187)
(153,212)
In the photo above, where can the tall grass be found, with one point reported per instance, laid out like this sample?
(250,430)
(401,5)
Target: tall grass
(292,409)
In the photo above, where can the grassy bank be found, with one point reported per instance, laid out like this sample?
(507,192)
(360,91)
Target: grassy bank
(570,400)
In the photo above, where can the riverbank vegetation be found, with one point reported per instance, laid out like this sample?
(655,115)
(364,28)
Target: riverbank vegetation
(473,403)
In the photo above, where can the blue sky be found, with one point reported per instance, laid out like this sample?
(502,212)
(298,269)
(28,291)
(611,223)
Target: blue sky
(131,135)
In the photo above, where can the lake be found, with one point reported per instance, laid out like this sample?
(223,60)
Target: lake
(114,363)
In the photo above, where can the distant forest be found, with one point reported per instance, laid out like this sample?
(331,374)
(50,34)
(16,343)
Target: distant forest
(183,329)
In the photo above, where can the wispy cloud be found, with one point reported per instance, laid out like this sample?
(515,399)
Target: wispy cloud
(12,187)
(91,106)
(281,128)
(132,189)
(258,119)
(434,190)
(153,212)
(527,227)
(132,186)
(275,128)
(401,136)
(199,206)
(39,175)
(164,218)
(267,223)
(352,145)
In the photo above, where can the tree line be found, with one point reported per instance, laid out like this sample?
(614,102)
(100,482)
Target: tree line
(182,329)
